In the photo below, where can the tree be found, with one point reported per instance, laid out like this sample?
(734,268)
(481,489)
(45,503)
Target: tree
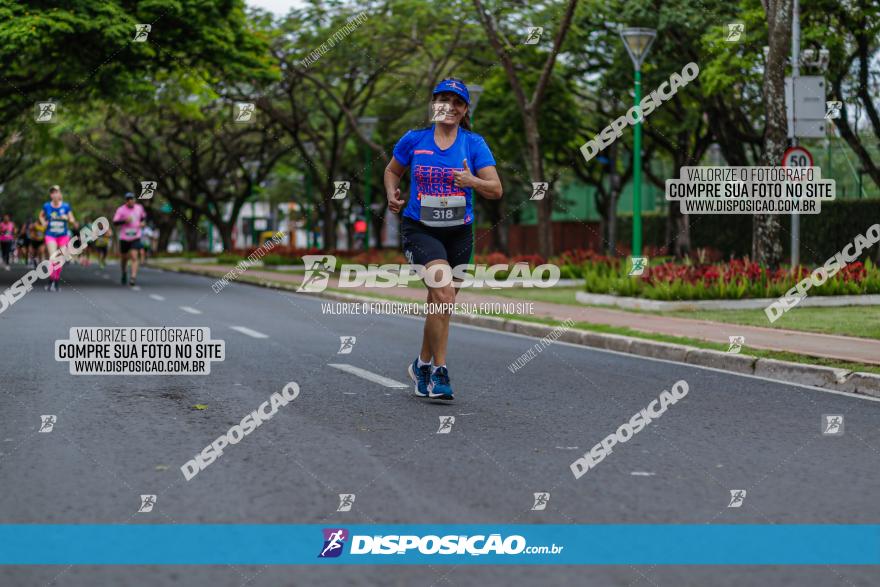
(530,106)
(80,50)
(766,245)
(850,30)
(205,165)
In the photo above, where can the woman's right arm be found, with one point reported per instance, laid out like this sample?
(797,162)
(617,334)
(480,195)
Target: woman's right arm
(393,172)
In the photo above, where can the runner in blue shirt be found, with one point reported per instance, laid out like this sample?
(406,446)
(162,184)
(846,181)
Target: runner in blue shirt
(436,224)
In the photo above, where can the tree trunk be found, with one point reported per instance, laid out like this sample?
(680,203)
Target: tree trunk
(766,246)
(613,193)
(165,230)
(225,230)
(536,172)
(192,232)
(329,228)
(496,218)
(678,229)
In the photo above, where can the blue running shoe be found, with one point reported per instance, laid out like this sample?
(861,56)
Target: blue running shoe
(420,376)
(438,387)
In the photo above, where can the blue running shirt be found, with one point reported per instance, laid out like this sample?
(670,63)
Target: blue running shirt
(57,226)
(433,198)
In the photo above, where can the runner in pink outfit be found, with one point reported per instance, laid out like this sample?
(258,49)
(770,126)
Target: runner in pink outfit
(130,219)
(7,238)
(58,214)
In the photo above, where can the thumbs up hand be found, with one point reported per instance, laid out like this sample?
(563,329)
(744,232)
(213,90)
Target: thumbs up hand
(464,178)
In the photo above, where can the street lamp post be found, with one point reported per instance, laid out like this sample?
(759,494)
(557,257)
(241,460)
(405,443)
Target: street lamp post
(367,125)
(474,91)
(637,42)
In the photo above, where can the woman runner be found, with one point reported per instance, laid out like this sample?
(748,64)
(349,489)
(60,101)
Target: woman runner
(57,216)
(7,238)
(437,218)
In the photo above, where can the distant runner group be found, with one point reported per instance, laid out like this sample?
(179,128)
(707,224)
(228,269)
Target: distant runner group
(52,228)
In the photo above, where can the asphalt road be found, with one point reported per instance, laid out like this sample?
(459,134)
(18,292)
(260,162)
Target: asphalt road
(117,437)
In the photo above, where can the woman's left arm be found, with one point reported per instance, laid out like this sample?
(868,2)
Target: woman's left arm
(486,182)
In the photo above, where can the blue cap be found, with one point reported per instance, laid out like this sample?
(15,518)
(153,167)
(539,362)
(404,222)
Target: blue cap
(456,87)
(129,195)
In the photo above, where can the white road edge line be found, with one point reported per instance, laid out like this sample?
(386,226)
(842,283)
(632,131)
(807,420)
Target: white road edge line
(249,332)
(369,375)
(632,356)
(190,310)
(157,297)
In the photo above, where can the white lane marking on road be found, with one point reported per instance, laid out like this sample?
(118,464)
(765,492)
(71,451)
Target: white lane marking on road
(369,375)
(249,332)
(349,393)
(138,288)
(157,297)
(642,474)
(190,310)
(567,447)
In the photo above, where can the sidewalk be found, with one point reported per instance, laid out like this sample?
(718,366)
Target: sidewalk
(828,346)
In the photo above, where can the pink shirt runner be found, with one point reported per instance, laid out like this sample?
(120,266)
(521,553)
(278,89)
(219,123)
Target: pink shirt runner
(131,230)
(7,231)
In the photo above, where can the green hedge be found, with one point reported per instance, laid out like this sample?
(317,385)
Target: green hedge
(822,235)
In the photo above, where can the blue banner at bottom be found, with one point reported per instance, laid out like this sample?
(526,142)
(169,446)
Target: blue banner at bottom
(437,544)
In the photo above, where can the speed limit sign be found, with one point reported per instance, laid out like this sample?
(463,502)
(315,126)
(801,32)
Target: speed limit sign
(797,157)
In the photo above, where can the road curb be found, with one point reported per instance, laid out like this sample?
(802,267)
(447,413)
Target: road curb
(787,372)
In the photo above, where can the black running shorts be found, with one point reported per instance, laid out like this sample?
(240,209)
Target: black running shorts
(423,244)
(126,246)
